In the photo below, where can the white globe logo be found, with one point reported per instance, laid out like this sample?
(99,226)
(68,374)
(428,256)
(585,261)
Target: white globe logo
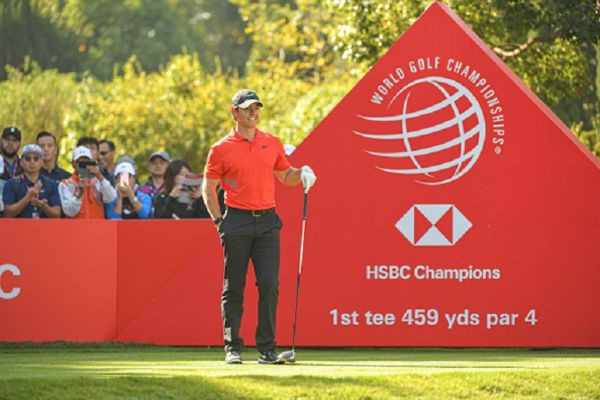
(437,131)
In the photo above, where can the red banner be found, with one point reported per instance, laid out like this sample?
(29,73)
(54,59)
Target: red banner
(58,280)
(452,207)
(169,290)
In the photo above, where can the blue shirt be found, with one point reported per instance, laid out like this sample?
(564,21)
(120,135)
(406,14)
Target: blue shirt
(15,189)
(127,209)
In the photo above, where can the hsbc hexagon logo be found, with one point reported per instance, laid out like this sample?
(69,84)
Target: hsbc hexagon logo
(433,225)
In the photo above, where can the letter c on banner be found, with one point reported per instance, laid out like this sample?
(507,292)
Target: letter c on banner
(15,291)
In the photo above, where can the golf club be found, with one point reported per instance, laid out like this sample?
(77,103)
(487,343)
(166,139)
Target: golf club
(290,356)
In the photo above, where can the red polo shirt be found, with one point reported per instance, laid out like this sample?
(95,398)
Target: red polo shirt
(246,169)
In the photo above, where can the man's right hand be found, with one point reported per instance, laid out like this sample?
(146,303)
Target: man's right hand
(34,191)
(176,191)
(122,191)
(96,171)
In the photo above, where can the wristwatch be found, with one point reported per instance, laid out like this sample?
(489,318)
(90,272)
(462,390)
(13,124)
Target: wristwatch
(218,220)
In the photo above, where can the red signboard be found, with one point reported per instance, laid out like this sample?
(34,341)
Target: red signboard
(169,284)
(57,280)
(452,209)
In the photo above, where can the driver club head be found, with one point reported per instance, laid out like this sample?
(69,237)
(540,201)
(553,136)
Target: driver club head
(288,356)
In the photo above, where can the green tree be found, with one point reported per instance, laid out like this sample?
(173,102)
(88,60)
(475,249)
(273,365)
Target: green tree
(290,38)
(33,29)
(218,33)
(80,35)
(180,109)
(113,31)
(36,99)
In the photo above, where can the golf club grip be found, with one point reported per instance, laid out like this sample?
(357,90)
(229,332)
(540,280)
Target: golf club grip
(305,205)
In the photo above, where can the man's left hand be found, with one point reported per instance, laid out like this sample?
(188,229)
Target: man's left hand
(195,193)
(308,177)
(96,171)
(39,203)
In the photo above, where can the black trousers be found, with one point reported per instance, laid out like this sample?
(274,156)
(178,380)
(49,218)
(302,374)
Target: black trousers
(246,237)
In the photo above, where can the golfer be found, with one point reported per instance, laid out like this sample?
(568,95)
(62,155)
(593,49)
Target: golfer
(244,162)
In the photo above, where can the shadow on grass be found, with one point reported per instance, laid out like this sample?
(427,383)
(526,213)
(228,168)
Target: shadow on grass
(97,346)
(245,387)
(262,386)
(121,388)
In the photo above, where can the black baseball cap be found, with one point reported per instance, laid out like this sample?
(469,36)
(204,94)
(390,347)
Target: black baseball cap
(11,130)
(244,98)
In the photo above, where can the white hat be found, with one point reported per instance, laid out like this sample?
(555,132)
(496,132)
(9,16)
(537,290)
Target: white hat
(32,148)
(81,151)
(124,167)
(162,154)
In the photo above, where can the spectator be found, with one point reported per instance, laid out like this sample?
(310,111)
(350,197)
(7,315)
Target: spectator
(107,155)
(92,144)
(158,163)
(129,204)
(84,194)
(31,195)
(50,169)
(170,204)
(11,142)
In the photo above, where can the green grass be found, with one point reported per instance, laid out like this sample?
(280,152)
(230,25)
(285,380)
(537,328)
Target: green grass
(113,371)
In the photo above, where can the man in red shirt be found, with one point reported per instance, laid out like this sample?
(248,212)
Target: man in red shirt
(245,162)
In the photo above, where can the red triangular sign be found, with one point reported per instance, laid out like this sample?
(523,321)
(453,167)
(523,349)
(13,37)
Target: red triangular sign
(441,120)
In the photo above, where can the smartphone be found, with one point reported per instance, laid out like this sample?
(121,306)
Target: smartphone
(124,179)
(82,170)
(191,181)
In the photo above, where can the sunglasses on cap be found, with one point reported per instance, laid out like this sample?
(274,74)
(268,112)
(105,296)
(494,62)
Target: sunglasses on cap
(29,158)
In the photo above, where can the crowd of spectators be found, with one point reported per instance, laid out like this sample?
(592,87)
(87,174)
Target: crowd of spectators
(32,185)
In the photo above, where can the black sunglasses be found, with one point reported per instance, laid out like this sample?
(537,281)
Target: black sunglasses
(103,153)
(31,158)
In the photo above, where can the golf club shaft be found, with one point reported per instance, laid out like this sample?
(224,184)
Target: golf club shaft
(299,269)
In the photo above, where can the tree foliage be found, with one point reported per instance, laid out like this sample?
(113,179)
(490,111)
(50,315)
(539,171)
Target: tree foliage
(290,38)
(180,110)
(100,35)
(36,100)
(150,29)
(35,29)
(218,33)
